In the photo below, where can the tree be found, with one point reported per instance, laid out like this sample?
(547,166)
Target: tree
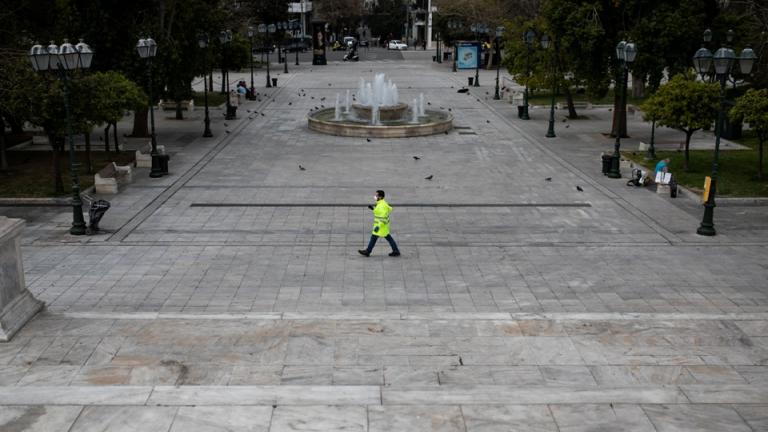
(18,85)
(684,104)
(752,107)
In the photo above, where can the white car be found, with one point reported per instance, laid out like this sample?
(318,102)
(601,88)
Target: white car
(397,45)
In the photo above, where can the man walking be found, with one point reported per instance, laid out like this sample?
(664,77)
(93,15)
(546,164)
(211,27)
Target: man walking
(380,225)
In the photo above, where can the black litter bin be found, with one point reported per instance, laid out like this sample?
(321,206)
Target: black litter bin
(95,213)
(471,80)
(163,159)
(274,82)
(673,188)
(520,110)
(607,158)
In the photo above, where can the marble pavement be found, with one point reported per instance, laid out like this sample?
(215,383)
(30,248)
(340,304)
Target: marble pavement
(229,296)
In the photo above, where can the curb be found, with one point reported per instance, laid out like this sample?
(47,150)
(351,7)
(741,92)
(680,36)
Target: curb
(35,202)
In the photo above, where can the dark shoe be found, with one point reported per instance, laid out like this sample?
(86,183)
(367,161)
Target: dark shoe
(394,254)
(364,252)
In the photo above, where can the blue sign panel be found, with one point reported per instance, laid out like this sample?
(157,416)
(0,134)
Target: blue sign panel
(468,55)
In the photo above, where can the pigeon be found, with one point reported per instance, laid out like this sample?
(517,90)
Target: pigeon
(368,139)
(322,98)
(416,158)
(429,177)
(446,132)
(548,179)
(565,120)
(247,110)
(311,97)
(442,108)
(317,108)
(462,90)
(301,168)
(226,131)
(322,106)
(329,84)
(429,103)
(487,121)
(567,126)
(449,109)
(225,125)
(262,114)
(289,103)
(451,86)
(461,362)
(578,188)
(486,92)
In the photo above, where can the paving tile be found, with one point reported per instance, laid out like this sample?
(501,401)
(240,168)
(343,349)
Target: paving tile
(122,418)
(222,419)
(415,418)
(319,418)
(585,417)
(695,418)
(512,418)
(37,418)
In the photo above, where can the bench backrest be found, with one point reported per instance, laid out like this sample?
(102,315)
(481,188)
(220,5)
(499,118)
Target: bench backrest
(109,171)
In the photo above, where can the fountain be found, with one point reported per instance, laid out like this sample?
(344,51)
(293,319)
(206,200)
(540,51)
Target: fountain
(378,112)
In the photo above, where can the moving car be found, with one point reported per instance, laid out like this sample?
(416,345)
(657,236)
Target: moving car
(397,45)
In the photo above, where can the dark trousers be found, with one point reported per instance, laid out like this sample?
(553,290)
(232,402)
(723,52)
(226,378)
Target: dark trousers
(389,238)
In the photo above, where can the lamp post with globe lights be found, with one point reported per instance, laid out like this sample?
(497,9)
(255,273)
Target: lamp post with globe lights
(202,41)
(250,33)
(718,67)
(497,40)
(62,60)
(545,43)
(147,49)
(626,52)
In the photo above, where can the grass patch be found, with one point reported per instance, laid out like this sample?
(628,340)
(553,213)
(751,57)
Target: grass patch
(214,99)
(30,173)
(545,98)
(737,170)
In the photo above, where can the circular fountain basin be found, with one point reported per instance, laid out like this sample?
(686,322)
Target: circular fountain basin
(386,113)
(434,122)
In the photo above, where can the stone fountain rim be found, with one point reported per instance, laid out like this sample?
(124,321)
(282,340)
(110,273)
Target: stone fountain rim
(330,127)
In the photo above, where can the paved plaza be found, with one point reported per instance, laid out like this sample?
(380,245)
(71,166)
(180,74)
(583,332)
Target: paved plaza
(229,295)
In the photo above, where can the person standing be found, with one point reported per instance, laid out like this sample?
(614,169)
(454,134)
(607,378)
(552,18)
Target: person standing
(380,226)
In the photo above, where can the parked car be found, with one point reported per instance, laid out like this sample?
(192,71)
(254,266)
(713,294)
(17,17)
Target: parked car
(397,45)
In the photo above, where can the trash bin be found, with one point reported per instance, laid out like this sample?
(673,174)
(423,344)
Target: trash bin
(447,55)
(95,213)
(673,188)
(434,58)
(607,158)
(274,82)
(471,80)
(163,159)
(520,111)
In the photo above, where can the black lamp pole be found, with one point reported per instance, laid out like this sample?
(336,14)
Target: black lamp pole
(296,26)
(625,52)
(202,41)
(250,57)
(723,60)
(225,37)
(529,37)
(499,33)
(62,59)
(545,43)
(147,49)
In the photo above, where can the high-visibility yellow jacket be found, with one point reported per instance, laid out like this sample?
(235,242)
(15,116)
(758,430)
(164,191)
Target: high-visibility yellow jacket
(381,218)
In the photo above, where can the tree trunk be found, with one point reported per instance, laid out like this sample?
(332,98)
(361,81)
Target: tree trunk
(140,124)
(58,182)
(3,159)
(88,162)
(114,134)
(106,138)
(760,159)
(17,128)
(572,114)
(223,80)
(210,81)
(638,88)
(179,114)
(688,135)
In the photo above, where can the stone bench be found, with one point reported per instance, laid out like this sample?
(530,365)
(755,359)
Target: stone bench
(144,156)
(110,177)
(169,105)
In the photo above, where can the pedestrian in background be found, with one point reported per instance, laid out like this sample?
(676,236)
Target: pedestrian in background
(381,212)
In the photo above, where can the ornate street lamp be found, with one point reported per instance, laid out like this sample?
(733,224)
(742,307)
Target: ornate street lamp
(62,60)
(286,27)
(147,49)
(202,41)
(478,29)
(529,37)
(545,43)
(455,25)
(723,61)
(296,26)
(250,33)
(625,53)
(497,40)
(225,37)
(266,30)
